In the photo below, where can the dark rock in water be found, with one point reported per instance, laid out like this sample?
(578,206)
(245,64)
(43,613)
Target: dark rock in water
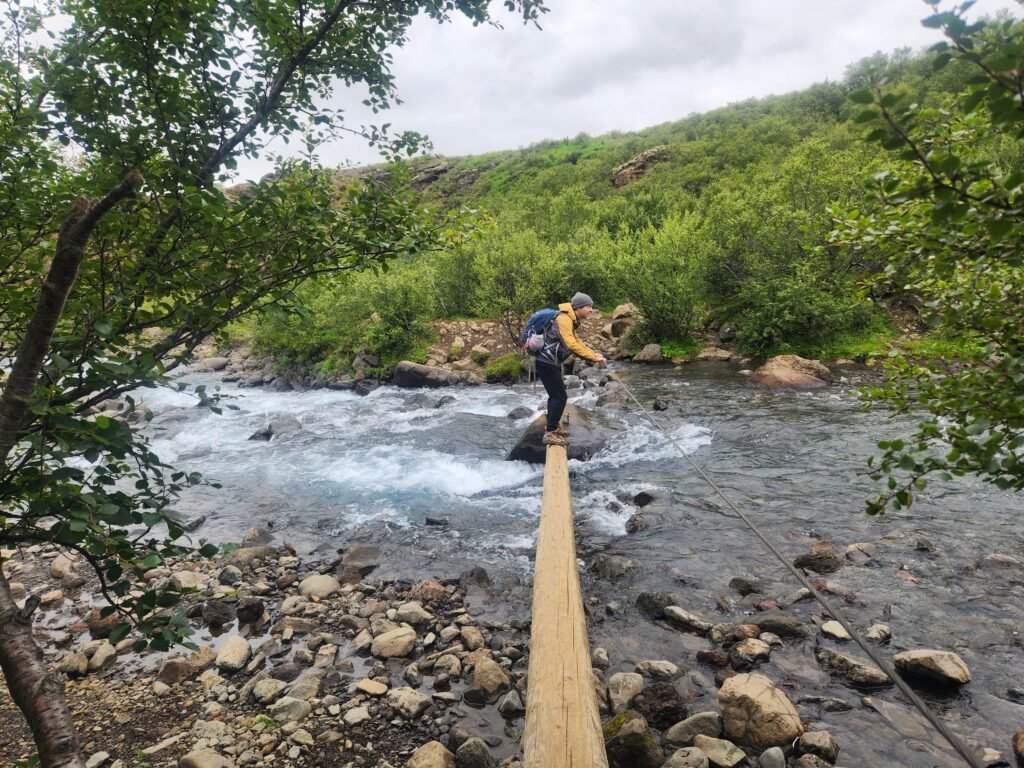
(408,374)
(476,575)
(287,672)
(347,574)
(611,566)
(365,387)
(643,498)
(746,586)
(521,412)
(659,404)
(284,425)
(363,558)
(280,384)
(781,624)
(250,609)
(262,434)
(444,400)
(438,521)
(1015,695)
(188,521)
(713,657)
(661,705)
(217,613)
(819,560)
(612,396)
(636,523)
(653,604)
(587,436)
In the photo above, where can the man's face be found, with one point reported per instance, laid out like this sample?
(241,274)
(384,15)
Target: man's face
(584,312)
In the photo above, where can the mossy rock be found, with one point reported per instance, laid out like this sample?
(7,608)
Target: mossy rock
(504,368)
(630,743)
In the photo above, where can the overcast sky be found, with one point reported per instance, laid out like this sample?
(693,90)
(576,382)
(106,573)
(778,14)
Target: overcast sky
(599,65)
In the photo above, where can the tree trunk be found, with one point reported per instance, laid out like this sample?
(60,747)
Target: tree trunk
(38,693)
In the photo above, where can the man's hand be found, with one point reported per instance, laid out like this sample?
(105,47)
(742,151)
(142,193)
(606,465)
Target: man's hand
(601,361)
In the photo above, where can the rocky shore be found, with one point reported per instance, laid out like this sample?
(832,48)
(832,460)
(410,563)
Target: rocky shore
(309,664)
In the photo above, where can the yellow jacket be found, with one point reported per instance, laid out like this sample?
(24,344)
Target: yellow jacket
(567,325)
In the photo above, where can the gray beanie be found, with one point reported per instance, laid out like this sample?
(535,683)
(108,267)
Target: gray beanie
(580,300)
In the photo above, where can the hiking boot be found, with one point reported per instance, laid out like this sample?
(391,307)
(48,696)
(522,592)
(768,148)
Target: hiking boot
(554,438)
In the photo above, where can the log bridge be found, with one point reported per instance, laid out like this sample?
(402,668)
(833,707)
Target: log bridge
(563,725)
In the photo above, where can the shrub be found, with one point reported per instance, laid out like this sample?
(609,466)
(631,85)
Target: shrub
(504,368)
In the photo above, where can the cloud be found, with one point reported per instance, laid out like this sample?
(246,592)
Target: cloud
(599,65)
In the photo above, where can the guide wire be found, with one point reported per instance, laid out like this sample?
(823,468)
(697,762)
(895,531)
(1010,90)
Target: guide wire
(883,664)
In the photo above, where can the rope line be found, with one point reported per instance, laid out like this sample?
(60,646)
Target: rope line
(883,664)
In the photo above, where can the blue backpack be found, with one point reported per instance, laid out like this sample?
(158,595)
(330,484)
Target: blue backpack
(532,339)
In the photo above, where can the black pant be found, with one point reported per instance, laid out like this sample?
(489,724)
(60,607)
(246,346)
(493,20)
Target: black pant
(551,377)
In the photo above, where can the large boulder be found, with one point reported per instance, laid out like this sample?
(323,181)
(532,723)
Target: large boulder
(587,436)
(651,353)
(791,372)
(757,713)
(409,374)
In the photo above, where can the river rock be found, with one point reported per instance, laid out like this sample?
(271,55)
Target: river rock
(721,753)
(810,761)
(818,743)
(688,757)
(629,743)
(74,664)
(103,657)
(408,703)
(623,687)
(409,374)
(413,613)
(651,353)
(396,643)
(748,652)
(250,610)
(490,678)
(715,354)
(653,604)
(204,758)
(821,559)
(658,669)
(288,709)
(431,755)
(772,757)
(660,704)
(175,670)
(942,667)
(781,624)
(861,673)
(791,372)
(268,690)
(757,713)
(683,733)
(245,557)
(62,565)
(101,625)
(611,567)
(363,558)
(318,586)
(234,654)
(687,621)
(878,633)
(474,754)
(1018,747)
(217,613)
(835,630)
(357,715)
(587,436)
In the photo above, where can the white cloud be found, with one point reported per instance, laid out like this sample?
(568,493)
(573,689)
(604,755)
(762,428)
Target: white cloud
(600,65)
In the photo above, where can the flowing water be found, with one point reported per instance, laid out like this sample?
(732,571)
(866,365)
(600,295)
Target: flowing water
(372,469)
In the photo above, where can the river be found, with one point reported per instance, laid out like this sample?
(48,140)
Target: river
(370,470)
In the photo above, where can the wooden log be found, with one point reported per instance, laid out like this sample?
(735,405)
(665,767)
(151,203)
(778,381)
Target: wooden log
(563,726)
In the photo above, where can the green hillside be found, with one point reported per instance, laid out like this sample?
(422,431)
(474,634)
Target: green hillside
(725,222)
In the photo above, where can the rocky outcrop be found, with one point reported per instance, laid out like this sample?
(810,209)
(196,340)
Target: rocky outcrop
(757,713)
(638,166)
(791,372)
(587,436)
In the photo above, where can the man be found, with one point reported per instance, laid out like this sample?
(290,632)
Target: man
(560,340)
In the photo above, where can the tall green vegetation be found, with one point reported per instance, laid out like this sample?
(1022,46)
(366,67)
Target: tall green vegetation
(120,253)
(950,228)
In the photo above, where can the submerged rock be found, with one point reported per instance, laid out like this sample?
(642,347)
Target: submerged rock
(862,673)
(942,667)
(587,436)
